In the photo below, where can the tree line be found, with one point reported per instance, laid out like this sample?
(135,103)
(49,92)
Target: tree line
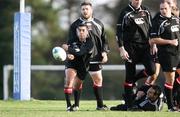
(50,22)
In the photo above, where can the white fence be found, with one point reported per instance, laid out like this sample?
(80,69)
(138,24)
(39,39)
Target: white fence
(8,68)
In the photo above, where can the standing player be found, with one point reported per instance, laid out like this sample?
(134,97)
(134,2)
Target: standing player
(151,80)
(97,34)
(165,33)
(77,63)
(176,87)
(132,37)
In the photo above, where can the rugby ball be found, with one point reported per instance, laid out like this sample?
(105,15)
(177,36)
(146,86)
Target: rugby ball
(59,53)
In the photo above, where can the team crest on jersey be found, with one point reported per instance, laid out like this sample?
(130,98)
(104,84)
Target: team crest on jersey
(139,21)
(175,28)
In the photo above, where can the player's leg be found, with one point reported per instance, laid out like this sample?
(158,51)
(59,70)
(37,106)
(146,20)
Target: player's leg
(128,85)
(128,88)
(96,75)
(169,64)
(168,88)
(77,87)
(149,64)
(152,79)
(69,79)
(97,86)
(176,88)
(140,75)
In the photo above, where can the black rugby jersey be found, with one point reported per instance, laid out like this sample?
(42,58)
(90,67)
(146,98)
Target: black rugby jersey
(133,25)
(146,104)
(96,33)
(166,28)
(82,52)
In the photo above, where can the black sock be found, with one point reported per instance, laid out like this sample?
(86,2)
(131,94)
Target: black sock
(68,100)
(67,93)
(140,75)
(99,96)
(168,93)
(129,95)
(77,95)
(176,90)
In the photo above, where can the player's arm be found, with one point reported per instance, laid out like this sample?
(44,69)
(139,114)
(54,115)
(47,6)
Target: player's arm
(161,41)
(155,36)
(119,37)
(105,46)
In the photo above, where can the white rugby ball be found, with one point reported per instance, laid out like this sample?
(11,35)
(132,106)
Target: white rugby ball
(59,53)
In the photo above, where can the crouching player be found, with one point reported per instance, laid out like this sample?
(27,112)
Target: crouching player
(77,64)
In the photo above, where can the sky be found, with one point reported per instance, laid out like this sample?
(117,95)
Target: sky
(98,2)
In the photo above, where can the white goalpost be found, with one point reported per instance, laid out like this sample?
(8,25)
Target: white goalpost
(8,68)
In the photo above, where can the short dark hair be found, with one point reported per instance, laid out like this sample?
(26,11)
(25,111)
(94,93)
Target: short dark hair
(82,24)
(86,3)
(165,1)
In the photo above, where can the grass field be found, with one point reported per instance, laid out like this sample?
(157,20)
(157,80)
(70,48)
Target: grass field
(48,108)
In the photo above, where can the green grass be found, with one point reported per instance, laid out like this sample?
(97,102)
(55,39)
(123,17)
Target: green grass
(48,108)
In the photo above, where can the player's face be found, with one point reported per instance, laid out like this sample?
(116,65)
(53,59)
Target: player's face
(136,3)
(86,11)
(151,94)
(165,9)
(174,9)
(82,33)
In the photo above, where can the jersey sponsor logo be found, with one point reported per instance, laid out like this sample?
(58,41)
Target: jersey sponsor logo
(153,33)
(175,28)
(77,49)
(174,68)
(139,21)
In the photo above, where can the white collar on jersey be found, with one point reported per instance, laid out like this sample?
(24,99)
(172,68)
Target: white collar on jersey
(84,20)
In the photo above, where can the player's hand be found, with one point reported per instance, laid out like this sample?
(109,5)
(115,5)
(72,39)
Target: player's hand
(65,47)
(174,42)
(139,94)
(105,58)
(154,49)
(123,53)
(70,56)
